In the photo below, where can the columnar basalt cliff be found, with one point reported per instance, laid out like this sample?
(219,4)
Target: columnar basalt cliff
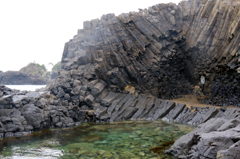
(118,67)
(165,49)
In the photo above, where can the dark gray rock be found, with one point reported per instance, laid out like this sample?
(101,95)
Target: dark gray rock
(76,90)
(129,112)
(33,95)
(59,124)
(109,99)
(60,93)
(100,111)
(33,115)
(231,153)
(97,89)
(76,83)
(183,115)
(205,141)
(141,106)
(117,114)
(18,98)
(151,113)
(229,124)
(173,114)
(6,102)
(203,115)
(13,127)
(89,99)
(28,128)
(130,103)
(41,103)
(150,105)
(165,108)
(5,119)
(117,101)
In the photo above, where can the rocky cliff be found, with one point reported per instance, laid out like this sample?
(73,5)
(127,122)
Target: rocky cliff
(33,74)
(18,78)
(36,71)
(118,67)
(165,50)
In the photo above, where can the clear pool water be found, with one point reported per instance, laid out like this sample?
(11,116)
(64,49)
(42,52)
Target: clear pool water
(115,140)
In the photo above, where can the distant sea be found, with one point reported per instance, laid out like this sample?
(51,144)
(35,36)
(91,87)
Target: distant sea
(25,87)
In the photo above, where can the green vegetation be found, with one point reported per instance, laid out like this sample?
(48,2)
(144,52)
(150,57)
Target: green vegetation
(35,70)
(56,67)
(48,73)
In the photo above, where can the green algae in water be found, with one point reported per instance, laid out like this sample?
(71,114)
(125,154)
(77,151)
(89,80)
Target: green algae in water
(123,140)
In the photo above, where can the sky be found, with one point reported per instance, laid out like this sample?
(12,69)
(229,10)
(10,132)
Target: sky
(36,30)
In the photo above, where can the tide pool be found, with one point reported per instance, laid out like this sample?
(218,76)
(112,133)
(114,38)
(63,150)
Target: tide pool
(123,140)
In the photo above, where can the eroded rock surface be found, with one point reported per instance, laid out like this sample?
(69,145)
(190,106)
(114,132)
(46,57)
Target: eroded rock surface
(165,50)
(118,67)
(209,140)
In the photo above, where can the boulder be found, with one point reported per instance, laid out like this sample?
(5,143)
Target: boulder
(97,89)
(6,102)
(41,103)
(89,99)
(33,115)
(33,95)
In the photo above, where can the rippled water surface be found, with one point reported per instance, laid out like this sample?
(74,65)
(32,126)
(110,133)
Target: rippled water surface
(26,87)
(123,140)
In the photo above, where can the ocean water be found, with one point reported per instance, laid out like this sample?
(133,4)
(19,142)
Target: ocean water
(114,140)
(25,87)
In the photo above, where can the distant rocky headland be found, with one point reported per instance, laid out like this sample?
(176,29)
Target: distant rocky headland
(32,74)
(126,67)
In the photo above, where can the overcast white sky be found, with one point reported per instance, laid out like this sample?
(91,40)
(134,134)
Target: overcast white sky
(36,30)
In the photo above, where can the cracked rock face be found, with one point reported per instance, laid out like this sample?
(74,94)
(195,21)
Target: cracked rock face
(165,50)
(208,140)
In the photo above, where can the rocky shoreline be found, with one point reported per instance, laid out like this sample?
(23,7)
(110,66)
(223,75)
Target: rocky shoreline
(217,132)
(125,67)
